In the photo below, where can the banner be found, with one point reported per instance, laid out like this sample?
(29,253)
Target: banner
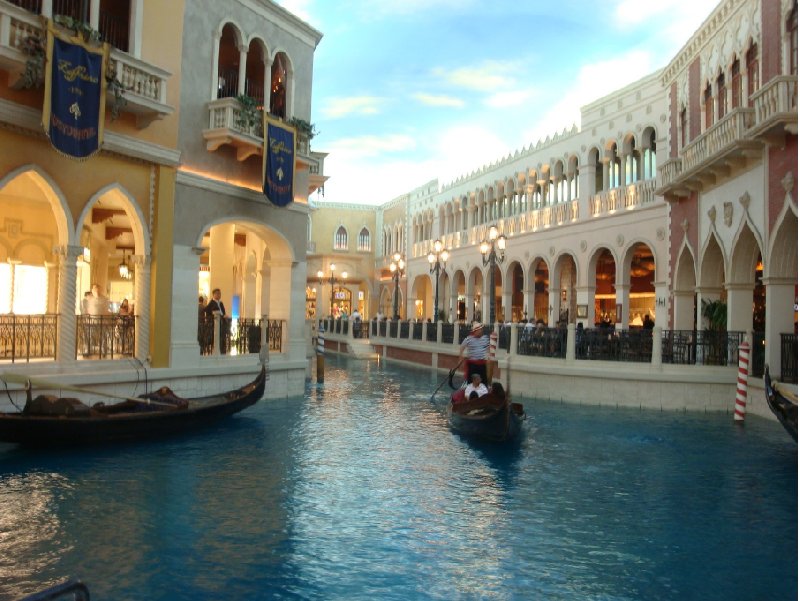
(74,95)
(279,141)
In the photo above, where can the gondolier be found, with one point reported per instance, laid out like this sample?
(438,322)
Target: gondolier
(475,349)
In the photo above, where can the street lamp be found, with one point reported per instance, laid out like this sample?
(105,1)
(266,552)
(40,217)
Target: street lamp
(494,252)
(397,267)
(438,260)
(332,280)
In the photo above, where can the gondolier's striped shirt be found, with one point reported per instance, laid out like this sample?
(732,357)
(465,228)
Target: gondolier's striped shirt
(476,348)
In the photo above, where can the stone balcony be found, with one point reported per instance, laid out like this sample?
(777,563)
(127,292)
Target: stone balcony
(145,85)
(715,155)
(228,124)
(776,110)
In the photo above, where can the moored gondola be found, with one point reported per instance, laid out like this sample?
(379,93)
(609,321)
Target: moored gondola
(784,408)
(48,420)
(492,417)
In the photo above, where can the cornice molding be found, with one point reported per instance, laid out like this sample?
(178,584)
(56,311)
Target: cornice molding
(28,121)
(194,180)
(288,21)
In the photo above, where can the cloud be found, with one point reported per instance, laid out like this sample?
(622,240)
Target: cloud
(670,22)
(336,108)
(508,98)
(593,81)
(484,77)
(438,100)
(357,148)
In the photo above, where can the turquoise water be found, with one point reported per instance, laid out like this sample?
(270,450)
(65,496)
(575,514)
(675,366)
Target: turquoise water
(360,491)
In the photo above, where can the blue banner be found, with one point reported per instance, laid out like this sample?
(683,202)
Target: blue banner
(74,106)
(279,163)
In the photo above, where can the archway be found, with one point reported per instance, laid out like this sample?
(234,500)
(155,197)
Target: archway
(541,292)
(684,300)
(641,273)
(604,274)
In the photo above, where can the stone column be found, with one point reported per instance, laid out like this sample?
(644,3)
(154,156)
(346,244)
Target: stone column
(655,358)
(141,296)
(241,86)
(220,262)
(740,307)
(683,317)
(662,304)
(623,299)
(570,342)
(67,326)
(51,268)
(780,310)
(94,14)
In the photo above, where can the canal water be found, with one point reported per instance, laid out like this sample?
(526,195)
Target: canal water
(358,490)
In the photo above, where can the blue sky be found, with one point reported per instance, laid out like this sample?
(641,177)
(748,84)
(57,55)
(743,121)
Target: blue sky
(406,91)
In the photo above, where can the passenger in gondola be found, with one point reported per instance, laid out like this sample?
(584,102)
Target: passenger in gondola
(475,349)
(475,388)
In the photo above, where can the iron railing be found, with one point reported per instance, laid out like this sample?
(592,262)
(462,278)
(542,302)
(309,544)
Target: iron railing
(242,335)
(416,331)
(26,337)
(106,336)
(605,344)
(789,358)
(543,342)
(701,347)
(757,355)
(448,331)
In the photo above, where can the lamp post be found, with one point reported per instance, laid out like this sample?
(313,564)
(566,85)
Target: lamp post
(397,267)
(332,280)
(494,252)
(438,260)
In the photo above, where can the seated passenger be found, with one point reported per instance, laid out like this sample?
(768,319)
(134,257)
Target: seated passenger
(475,387)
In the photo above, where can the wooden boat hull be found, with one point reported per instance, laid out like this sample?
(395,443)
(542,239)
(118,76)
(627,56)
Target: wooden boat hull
(128,426)
(783,408)
(490,418)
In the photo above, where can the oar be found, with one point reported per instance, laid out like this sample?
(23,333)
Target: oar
(443,382)
(20,379)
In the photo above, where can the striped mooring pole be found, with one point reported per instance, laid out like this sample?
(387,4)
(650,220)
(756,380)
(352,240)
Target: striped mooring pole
(321,354)
(491,368)
(741,382)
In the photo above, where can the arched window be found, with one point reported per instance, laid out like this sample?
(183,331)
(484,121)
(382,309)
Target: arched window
(649,154)
(791,39)
(614,168)
(684,125)
(363,239)
(279,80)
(752,72)
(228,69)
(340,239)
(722,96)
(736,85)
(708,102)
(254,74)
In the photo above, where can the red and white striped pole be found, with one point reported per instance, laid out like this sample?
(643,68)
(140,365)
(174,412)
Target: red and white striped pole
(741,382)
(491,368)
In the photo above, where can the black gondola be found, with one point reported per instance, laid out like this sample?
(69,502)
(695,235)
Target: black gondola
(784,408)
(47,420)
(492,417)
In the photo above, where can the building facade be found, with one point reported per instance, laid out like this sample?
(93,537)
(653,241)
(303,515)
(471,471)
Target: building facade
(675,198)
(170,207)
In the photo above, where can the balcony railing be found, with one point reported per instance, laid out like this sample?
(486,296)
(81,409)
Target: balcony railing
(144,84)
(775,107)
(26,337)
(625,198)
(789,358)
(106,336)
(238,336)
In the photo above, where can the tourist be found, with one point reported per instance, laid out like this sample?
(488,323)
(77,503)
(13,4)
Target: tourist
(475,349)
(475,388)
(215,304)
(647,323)
(97,303)
(124,308)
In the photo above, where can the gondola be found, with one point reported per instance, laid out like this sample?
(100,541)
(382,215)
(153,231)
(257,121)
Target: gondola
(784,408)
(48,420)
(492,417)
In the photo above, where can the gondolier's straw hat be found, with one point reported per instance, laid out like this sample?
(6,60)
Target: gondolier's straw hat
(476,325)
